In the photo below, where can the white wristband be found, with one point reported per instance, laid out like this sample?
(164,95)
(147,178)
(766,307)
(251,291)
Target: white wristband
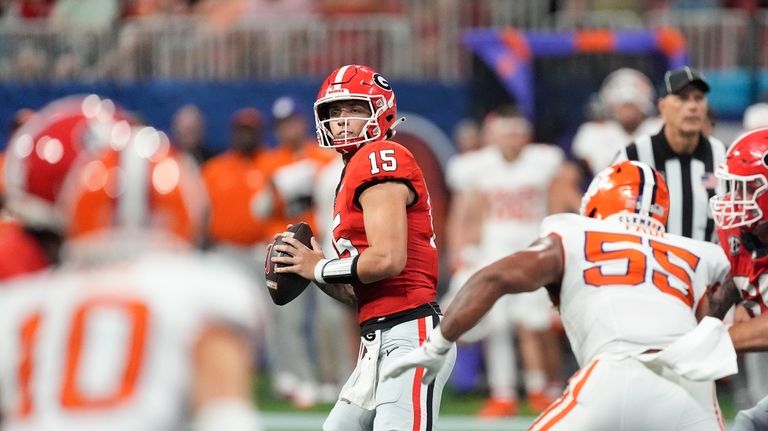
(437,342)
(319,271)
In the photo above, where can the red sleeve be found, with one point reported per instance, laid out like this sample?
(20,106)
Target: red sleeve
(27,254)
(380,162)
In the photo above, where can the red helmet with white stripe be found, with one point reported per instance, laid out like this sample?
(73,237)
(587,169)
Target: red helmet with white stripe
(362,83)
(633,190)
(43,151)
(742,199)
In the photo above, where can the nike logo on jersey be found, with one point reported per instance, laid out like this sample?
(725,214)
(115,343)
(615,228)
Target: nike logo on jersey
(391,350)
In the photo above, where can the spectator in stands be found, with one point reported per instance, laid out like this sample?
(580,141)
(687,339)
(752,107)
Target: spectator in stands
(357,7)
(27,9)
(188,126)
(294,166)
(683,153)
(238,184)
(626,97)
(241,199)
(142,8)
(31,64)
(84,14)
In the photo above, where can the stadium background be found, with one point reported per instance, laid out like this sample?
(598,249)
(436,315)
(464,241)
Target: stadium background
(154,62)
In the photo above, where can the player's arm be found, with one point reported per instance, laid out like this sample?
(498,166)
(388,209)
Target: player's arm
(750,335)
(719,299)
(221,386)
(386,228)
(538,265)
(525,271)
(341,292)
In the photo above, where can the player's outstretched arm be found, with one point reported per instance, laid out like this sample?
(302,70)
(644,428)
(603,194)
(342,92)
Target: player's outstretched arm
(538,265)
(719,299)
(750,335)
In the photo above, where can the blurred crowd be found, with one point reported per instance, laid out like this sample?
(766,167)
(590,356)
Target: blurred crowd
(125,39)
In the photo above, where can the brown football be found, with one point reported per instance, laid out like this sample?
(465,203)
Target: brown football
(284,288)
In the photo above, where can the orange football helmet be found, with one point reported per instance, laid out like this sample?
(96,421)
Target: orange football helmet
(147,186)
(631,189)
(45,148)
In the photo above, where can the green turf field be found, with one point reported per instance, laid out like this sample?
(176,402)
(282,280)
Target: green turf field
(458,413)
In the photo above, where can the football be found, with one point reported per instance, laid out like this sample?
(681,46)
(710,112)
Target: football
(284,288)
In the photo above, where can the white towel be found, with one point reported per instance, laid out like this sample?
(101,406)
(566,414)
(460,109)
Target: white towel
(362,391)
(705,353)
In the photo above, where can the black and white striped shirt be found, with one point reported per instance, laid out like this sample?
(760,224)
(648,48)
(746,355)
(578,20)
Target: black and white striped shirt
(690,179)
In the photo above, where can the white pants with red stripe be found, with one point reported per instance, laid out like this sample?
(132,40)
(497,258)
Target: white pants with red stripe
(628,395)
(402,403)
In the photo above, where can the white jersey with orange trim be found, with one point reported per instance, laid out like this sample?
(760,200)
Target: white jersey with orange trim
(463,168)
(515,196)
(111,348)
(627,289)
(599,142)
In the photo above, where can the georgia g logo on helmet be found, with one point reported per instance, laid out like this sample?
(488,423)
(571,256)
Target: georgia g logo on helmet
(381,82)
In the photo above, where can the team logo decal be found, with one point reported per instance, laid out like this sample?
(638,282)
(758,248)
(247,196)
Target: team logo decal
(381,81)
(765,159)
(734,244)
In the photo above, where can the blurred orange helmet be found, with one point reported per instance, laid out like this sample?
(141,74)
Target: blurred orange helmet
(45,148)
(147,186)
(633,190)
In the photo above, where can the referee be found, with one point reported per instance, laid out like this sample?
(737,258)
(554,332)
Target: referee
(684,156)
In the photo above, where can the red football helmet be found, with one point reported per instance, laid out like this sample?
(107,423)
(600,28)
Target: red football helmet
(147,186)
(45,148)
(355,82)
(632,190)
(741,199)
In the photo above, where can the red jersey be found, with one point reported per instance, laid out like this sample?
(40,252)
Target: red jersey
(372,164)
(749,267)
(20,253)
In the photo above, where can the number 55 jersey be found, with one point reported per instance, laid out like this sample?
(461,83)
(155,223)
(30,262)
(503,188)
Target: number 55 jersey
(628,289)
(112,347)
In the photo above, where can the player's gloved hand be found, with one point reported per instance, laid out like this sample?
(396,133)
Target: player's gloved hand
(430,355)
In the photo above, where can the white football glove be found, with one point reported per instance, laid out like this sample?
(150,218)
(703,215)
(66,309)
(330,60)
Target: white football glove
(430,355)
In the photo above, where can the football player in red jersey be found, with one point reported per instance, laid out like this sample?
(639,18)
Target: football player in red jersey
(740,210)
(39,156)
(387,258)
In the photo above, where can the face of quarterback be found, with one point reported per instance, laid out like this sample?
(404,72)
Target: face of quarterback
(348,118)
